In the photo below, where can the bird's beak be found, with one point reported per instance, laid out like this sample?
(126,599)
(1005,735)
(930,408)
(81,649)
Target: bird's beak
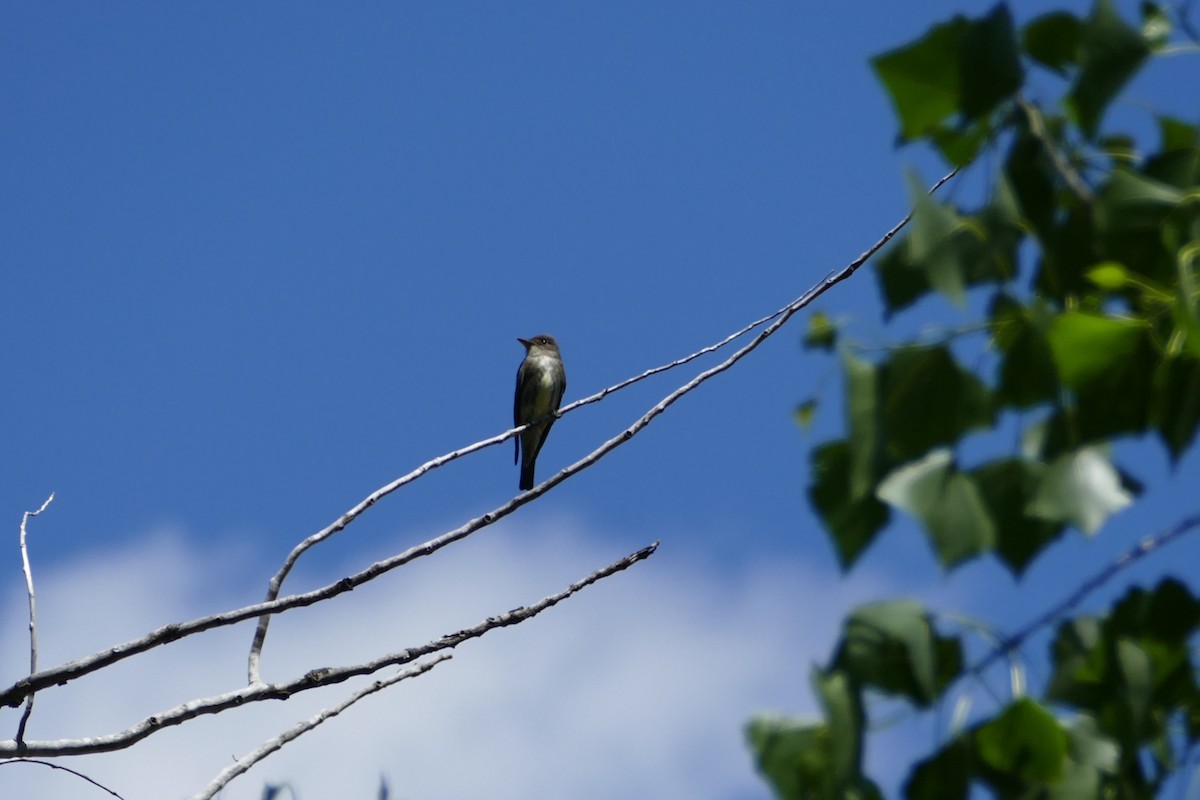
(528,344)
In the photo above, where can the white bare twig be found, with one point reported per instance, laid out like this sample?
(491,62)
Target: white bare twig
(33,649)
(253,668)
(312,679)
(268,747)
(780,317)
(169,633)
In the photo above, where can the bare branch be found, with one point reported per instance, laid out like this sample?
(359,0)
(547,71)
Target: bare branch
(253,670)
(780,317)
(1145,547)
(33,649)
(268,747)
(52,765)
(313,678)
(169,633)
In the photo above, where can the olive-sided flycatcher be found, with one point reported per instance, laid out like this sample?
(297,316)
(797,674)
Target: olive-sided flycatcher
(541,381)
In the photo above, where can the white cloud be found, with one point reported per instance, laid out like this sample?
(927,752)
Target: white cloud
(637,687)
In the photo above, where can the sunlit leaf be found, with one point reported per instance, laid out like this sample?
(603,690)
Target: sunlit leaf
(1081,489)
(1025,741)
(1109,275)
(1109,363)
(948,504)
(1084,345)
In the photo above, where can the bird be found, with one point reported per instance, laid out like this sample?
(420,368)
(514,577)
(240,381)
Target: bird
(541,381)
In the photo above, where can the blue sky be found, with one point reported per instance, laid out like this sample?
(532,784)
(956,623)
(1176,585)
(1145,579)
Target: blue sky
(261,259)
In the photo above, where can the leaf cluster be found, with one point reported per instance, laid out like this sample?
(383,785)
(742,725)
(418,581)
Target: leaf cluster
(1084,255)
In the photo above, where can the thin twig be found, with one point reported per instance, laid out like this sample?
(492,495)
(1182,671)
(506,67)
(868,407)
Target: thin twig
(1070,177)
(52,765)
(253,668)
(65,673)
(268,747)
(33,648)
(1136,553)
(780,317)
(315,678)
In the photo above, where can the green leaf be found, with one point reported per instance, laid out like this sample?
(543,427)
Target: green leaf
(1170,613)
(821,334)
(1109,364)
(1129,201)
(804,413)
(1033,178)
(853,522)
(863,422)
(1137,679)
(1131,670)
(1177,134)
(1027,372)
(990,67)
(792,754)
(1089,746)
(843,709)
(1109,275)
(1025,741)
(1080,488)
(902,282)
(922,78)
(1111,52)
(944,776)
(1008,486)
(891,646)
(1069,248)
(933,242)
(813,760)
(928,401)
(952,252)
(1079,664)
(959,144)
(1175,409)
(1132,216)
(1085,345)
(947,502)
(1053,40)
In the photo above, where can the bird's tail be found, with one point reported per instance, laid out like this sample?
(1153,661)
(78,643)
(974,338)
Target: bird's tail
(527,476)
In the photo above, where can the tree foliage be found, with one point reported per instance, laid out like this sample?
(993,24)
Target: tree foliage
(1085,255)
